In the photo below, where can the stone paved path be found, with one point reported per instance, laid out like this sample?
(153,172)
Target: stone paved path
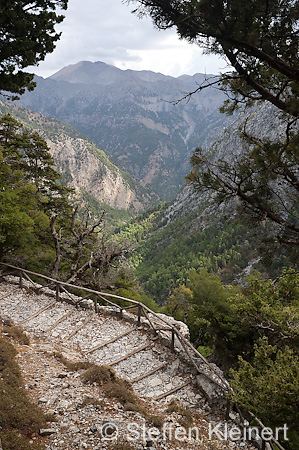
(81,334)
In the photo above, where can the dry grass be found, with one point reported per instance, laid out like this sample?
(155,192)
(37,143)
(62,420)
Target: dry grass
(156,421)
(113,386)
(19,418)
(134,407)
(186,418)
(99,375)
(72,366)
(16,333)
(120,390)
(121,445)
(91,401)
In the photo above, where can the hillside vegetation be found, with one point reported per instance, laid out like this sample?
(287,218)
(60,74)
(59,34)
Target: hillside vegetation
(164,253)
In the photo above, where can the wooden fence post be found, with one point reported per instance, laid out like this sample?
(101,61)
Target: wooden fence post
(96,305)
(172,340)
(227,410)
(57,292)
(20,285)
(139,314)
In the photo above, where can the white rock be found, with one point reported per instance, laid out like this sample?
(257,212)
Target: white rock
(155,382)
(181,327)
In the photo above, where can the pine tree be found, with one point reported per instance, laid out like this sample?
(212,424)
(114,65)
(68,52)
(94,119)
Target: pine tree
(29,188)
(27,34)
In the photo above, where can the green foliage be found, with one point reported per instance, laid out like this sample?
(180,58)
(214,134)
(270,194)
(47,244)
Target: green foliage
(270,308)
(213,319)
(179,303)
(269,387)
(264,179)
(163,261)
(260,42)
(140,227)
(113,217)
(230,319)
(32,193)
(135,293)
(29,190)
(258,39)
(27,36)
(129,178)
(255,330)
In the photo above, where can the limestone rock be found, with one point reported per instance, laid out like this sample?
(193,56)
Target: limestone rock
(181,327)
(46,431)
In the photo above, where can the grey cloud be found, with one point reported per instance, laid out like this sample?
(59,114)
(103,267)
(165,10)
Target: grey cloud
(106,30)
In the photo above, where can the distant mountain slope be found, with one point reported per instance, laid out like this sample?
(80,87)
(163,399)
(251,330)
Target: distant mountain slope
(131,116)
(191,232)
(82,165)
(263,121)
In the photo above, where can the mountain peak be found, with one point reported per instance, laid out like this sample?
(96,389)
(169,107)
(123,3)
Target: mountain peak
(86,72)
(98,72)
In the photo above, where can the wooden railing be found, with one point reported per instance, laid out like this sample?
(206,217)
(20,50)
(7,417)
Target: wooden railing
(191,353)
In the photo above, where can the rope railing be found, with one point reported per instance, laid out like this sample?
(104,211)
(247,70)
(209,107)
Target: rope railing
(142,310)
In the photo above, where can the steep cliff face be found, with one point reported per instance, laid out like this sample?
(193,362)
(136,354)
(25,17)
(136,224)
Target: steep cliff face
(82,169)
(132,116)
(83,166)
(262,121)
(193,232)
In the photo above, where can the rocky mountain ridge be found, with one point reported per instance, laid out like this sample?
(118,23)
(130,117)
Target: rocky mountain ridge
(84,167)
(134,117)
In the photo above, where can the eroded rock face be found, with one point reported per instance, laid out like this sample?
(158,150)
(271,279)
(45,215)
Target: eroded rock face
(79,162)
(263,121)
(83,167)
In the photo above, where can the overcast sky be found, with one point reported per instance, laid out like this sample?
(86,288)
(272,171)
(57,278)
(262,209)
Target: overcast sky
(106,30)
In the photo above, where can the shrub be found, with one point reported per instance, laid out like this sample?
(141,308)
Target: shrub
(186,420)
(17,334)
(119,390)
(156,421)
(113,386)
(99,375)
(72,366)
